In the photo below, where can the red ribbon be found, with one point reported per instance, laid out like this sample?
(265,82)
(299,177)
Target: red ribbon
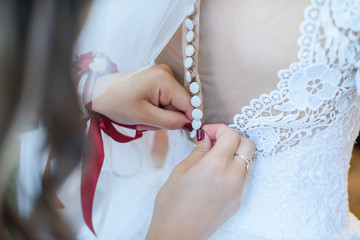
(94,159)
(94,156)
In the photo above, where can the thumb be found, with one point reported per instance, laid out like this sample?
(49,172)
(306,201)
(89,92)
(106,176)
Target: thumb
(200,150)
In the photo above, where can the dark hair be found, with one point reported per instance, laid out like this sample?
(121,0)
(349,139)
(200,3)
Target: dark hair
(36,42)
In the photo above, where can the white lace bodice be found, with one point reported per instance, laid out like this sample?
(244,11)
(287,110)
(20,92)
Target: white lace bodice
(304,132)
(312,93)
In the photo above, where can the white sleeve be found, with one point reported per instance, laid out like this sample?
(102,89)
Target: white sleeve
(132,33)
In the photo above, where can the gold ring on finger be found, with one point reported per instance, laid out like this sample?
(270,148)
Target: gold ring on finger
(248,161)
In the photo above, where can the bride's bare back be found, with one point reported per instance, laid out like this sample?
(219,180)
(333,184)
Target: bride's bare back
(243,44)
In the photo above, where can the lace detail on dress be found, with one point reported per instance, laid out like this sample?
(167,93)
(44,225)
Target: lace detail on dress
(311,93)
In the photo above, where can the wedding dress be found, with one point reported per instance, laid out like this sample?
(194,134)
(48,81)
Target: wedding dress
(304,130)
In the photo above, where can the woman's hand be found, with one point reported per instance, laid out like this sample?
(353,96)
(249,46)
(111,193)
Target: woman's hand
(204,190)
(150,99)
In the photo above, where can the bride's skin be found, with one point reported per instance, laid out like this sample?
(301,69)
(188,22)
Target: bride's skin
(242,46)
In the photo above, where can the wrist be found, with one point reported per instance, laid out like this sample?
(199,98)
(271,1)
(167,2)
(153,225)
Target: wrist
(106,97)
(99,105)
(87,72)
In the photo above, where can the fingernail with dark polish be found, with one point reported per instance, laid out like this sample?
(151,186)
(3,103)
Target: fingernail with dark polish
(200,135)
(187,127)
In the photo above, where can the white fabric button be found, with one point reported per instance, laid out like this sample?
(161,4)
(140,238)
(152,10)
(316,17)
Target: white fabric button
(197,114)
(191,10)
(189,24)
(196,124)
(189,50)
(188,76)
(196,101)
(190,36)
(189,62)
(193,134)
(194,88)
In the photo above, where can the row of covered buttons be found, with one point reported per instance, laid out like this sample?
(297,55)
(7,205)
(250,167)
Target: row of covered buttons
(194,87)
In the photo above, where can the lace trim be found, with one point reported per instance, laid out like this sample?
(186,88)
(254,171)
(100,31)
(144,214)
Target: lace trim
(296,108)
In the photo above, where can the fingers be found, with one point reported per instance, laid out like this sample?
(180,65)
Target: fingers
(143,127)
(227,140)
(246,148)
(168,105)
(173,94)
(200,150)
(238,165)
(180,99)
(162,118)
